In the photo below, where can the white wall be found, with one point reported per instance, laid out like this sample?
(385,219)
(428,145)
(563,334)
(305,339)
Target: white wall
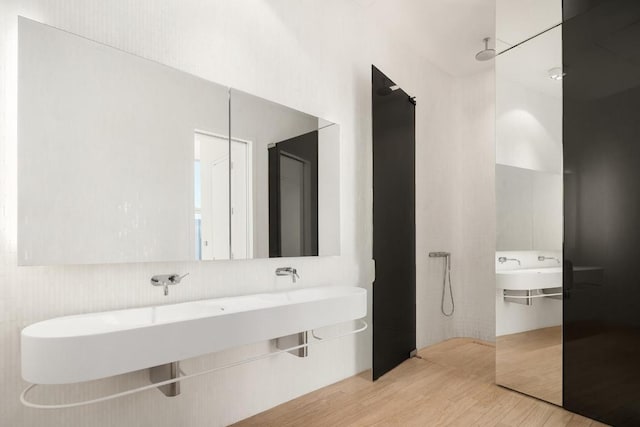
(513,318)
(529,125)
(328,189)
(455,211)
(475,224)
(315,57)
(528,209)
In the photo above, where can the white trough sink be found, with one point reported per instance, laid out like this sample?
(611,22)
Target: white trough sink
(98,345)
(529,278)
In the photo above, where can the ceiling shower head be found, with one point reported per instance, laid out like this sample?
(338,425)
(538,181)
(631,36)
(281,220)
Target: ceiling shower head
(486,54)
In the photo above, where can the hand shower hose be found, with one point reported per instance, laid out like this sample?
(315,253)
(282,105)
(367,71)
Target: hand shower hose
(446,276)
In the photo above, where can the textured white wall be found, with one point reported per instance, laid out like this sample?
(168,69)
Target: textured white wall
(455,212)
(475,224)
(315,57)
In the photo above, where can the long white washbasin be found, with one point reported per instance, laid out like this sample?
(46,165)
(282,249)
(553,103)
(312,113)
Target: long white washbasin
(529,278)
(97,345)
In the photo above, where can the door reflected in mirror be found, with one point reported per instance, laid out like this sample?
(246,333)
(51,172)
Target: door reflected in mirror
(293,196)
(211,196)
(293,190)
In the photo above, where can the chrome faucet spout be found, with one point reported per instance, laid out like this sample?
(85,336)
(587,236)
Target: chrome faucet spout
(504,259)
(544,258)
(288,271)
(165,280)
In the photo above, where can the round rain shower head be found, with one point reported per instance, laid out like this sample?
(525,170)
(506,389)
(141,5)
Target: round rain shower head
(486,54)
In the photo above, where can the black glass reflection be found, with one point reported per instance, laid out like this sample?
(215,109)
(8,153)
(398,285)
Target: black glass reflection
(293,197)
(601,360)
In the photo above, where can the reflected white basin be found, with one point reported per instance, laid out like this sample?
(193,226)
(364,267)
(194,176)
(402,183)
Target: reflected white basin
(97,345)
(529,278)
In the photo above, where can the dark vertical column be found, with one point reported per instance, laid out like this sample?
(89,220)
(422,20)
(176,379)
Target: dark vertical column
(394,230)
(275,250)
(601,352)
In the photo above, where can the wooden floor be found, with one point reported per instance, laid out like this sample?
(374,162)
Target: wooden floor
(451,385)
(531,362)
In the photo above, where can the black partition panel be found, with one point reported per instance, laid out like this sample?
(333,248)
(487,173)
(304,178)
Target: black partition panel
(394,230)
(601,353)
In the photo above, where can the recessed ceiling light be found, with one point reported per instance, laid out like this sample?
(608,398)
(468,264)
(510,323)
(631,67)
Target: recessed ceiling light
(556,73)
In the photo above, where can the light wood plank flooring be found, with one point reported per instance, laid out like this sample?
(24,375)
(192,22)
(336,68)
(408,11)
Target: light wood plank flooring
(452,384)
(531,362)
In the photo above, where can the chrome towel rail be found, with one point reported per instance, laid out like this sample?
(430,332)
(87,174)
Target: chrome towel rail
(25,402)
(526,296)
(533,296)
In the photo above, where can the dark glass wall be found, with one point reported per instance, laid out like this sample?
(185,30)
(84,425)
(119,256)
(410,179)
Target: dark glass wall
(394,224)
(601,50)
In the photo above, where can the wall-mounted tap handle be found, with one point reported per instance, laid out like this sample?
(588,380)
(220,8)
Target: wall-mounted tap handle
(175,278)
(504,259)
(544,258)
(165,280)
(288,271)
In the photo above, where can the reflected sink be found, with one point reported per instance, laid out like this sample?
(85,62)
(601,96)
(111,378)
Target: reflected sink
(98,345)
(529,278)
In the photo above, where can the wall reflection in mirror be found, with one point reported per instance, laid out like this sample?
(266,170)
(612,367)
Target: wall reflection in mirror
(285,181)
(122,159)
(529,203)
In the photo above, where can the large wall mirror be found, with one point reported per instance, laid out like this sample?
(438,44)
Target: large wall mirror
(529,202)
(122,159)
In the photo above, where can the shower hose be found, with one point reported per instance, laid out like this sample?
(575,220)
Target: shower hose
(447,276)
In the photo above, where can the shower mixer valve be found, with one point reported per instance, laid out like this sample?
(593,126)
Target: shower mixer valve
(442,255)
(438,254)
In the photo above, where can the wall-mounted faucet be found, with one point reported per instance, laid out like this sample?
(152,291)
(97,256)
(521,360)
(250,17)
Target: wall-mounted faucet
(288,271)
(166,280)
(504,259)
(544,258)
